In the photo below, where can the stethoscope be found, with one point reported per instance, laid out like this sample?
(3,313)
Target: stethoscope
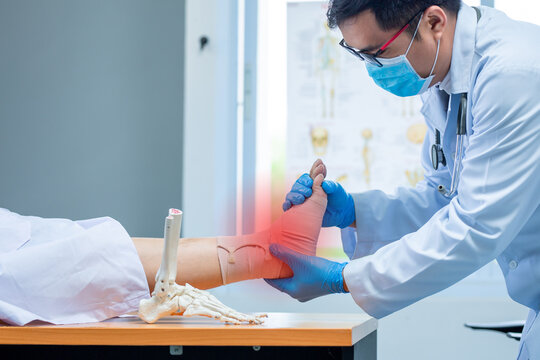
(437,154)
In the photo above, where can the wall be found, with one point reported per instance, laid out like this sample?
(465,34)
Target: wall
(91,107)
(210,114)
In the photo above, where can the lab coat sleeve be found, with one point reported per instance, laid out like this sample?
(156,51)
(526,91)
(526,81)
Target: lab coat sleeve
(384,218)
(496,196)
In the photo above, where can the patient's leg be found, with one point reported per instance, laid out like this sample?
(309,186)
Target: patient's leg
(197,261)
(210,262)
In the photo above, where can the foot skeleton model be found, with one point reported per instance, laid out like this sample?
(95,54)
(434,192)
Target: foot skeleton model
(170,298)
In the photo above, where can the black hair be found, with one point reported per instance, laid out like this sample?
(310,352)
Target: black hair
(389,14)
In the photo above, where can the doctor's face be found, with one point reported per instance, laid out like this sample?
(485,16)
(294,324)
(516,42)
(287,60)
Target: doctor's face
(362,32)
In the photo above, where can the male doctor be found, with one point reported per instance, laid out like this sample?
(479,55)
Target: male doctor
(478,73)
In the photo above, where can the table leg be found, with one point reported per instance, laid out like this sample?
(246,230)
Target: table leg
(364,349)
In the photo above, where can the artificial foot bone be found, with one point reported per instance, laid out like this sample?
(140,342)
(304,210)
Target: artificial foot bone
(189,301)
(169,298)
(166,275)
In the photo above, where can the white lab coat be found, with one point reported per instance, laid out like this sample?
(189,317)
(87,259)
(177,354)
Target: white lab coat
(415,243)
(63,272)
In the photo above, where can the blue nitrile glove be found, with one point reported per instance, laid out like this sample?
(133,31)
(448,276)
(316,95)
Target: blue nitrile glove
(300,190)
(340,208)
(313,276)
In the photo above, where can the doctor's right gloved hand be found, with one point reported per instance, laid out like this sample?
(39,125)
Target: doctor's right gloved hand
(312,276)
(340,209)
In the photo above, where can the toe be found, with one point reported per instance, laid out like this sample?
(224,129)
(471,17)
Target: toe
(317,168)
(318,193)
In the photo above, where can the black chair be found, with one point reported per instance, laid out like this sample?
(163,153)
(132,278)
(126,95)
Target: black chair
(512,329)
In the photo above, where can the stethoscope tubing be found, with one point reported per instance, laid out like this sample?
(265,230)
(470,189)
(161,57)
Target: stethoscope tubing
(461,132)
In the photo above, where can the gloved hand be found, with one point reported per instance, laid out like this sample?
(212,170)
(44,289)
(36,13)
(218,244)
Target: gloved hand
(313,276)
(340,208)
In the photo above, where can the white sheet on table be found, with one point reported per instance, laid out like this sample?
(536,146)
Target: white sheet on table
(62,271)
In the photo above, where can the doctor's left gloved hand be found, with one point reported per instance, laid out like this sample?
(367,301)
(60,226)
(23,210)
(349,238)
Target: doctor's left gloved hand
(340,210)
(313,276)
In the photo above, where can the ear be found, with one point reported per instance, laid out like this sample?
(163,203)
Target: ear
(436,21)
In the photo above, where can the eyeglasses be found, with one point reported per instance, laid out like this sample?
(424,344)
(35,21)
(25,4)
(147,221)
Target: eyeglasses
(372,59)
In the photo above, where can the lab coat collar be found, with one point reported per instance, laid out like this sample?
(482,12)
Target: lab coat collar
(459,77)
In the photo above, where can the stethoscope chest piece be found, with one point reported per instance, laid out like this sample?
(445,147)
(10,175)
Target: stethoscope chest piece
(437,154)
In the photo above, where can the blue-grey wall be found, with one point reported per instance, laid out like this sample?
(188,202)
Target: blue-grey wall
(91,109)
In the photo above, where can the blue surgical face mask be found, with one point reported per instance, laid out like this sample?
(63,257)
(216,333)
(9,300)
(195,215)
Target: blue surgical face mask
(398,76)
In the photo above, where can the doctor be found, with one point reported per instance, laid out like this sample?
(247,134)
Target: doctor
(479,200)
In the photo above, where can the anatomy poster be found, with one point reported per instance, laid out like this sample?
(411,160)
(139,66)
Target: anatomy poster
(368,138)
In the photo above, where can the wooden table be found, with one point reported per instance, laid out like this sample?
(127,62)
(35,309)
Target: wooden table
(283,335)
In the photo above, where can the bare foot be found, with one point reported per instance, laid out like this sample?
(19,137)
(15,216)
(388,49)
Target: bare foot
(298,228)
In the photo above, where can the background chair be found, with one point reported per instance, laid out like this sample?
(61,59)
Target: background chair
(512,329)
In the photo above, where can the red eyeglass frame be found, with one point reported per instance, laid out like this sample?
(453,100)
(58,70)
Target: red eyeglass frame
(372,59)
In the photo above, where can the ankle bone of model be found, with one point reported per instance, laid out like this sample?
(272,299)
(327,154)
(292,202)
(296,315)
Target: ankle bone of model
(170,298)
(166,274)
